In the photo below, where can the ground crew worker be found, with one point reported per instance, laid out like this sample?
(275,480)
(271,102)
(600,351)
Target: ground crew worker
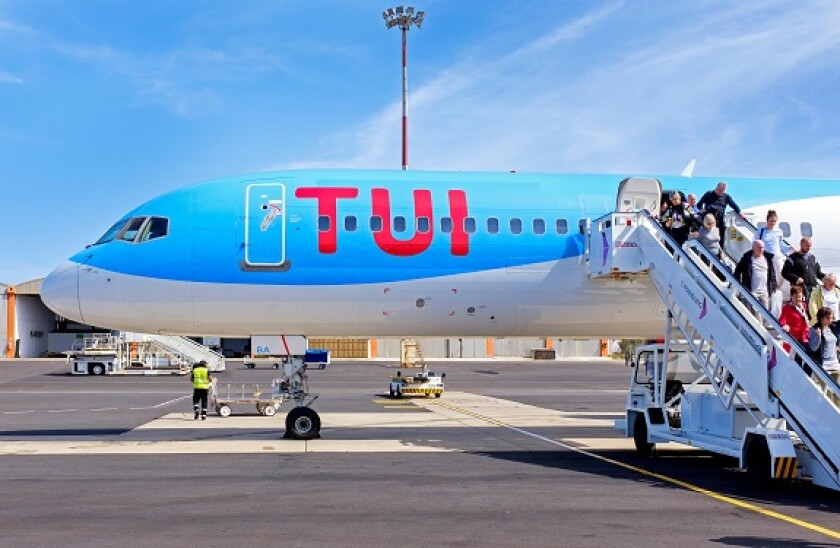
(201,386)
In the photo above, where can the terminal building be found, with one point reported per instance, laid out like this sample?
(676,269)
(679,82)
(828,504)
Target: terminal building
(31,330)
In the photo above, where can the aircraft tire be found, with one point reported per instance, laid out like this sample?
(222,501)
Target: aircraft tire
(303,423)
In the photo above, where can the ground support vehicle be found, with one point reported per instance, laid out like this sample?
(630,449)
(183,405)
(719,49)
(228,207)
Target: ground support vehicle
(266,398)
(101,354)
(671,400)
(416,383)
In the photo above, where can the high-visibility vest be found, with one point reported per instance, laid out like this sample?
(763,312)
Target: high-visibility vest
(201,378)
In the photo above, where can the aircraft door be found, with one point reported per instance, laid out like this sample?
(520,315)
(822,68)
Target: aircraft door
(637,193)
(265,227)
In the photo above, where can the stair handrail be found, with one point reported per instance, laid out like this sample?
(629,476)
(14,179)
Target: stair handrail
(772,326)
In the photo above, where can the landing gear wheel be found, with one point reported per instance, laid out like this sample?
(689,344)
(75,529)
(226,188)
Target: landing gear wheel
(758,462)
(303,423)
(640,437)
(269,411)
(97,369)
(223,410)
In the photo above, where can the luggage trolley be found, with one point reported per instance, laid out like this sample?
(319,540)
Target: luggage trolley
(266,397)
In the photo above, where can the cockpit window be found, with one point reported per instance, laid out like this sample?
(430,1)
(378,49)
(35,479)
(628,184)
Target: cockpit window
(129,233)
(157,227)
(112,232)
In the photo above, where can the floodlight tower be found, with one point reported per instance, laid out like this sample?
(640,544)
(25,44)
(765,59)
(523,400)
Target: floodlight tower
(403,18)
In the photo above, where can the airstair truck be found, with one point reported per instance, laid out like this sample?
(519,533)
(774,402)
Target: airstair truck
(777,417)
(671,400)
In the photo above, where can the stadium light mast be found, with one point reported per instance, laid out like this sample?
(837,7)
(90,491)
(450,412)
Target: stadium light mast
(403,18)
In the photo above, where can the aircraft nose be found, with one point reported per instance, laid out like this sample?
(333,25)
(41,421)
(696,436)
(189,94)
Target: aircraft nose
(60,291)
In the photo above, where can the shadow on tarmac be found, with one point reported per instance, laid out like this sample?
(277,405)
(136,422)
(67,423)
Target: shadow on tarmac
(705,470)
(766,542)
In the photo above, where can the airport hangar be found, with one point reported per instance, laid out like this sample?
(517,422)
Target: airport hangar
(31,330)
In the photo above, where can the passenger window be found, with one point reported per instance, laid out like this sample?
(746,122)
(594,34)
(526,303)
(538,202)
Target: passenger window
(132,228)
(399,224)
(350,223)
(562,226)
(157,227)
(376,223)
(112,232)
(323,223)
(423,225)
(539,226)
(785,230)
(806,230)
(446,225)
(469,225)
(516,226)
(493,225)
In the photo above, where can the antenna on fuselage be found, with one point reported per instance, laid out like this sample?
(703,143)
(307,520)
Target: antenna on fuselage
(688,170)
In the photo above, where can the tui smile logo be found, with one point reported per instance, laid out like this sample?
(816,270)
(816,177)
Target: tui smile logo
(606,249)
(696,300)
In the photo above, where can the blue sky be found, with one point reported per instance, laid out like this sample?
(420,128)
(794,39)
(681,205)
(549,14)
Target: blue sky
(107,103)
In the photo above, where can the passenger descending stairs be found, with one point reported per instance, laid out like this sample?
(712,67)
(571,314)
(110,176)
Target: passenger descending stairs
(738,349)
(190,350)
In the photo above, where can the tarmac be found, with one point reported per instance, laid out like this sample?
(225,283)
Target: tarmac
(515,453)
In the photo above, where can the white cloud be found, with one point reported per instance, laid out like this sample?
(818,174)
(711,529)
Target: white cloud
(648,104)
(9,78)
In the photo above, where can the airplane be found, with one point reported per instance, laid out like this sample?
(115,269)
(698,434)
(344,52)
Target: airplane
(392,253)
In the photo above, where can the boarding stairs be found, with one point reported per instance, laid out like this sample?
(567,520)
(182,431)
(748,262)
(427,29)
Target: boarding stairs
(737,342)
(190,351)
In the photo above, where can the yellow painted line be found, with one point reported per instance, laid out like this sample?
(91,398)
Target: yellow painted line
(685,485)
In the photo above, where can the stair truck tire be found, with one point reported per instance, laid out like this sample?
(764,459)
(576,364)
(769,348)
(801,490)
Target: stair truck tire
(758,462)
(269,410)
(640,436)
(97,369)
(224,410)
(303,423)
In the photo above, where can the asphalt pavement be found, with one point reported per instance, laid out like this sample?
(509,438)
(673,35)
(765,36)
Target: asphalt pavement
(515,453)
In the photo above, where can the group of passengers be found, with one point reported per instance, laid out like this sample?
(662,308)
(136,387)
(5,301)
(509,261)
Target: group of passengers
(811,314)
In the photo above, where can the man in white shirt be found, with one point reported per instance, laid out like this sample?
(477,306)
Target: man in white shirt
(756,273)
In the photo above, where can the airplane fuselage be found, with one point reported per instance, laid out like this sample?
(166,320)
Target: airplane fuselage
(377,253)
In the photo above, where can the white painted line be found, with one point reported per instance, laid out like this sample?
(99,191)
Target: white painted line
(144,408)
(62,447)
(185,420)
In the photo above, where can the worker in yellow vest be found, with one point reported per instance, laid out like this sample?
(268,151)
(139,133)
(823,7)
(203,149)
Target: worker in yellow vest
(201,386)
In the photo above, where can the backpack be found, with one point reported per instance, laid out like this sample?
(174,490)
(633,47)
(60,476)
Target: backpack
(817,355)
